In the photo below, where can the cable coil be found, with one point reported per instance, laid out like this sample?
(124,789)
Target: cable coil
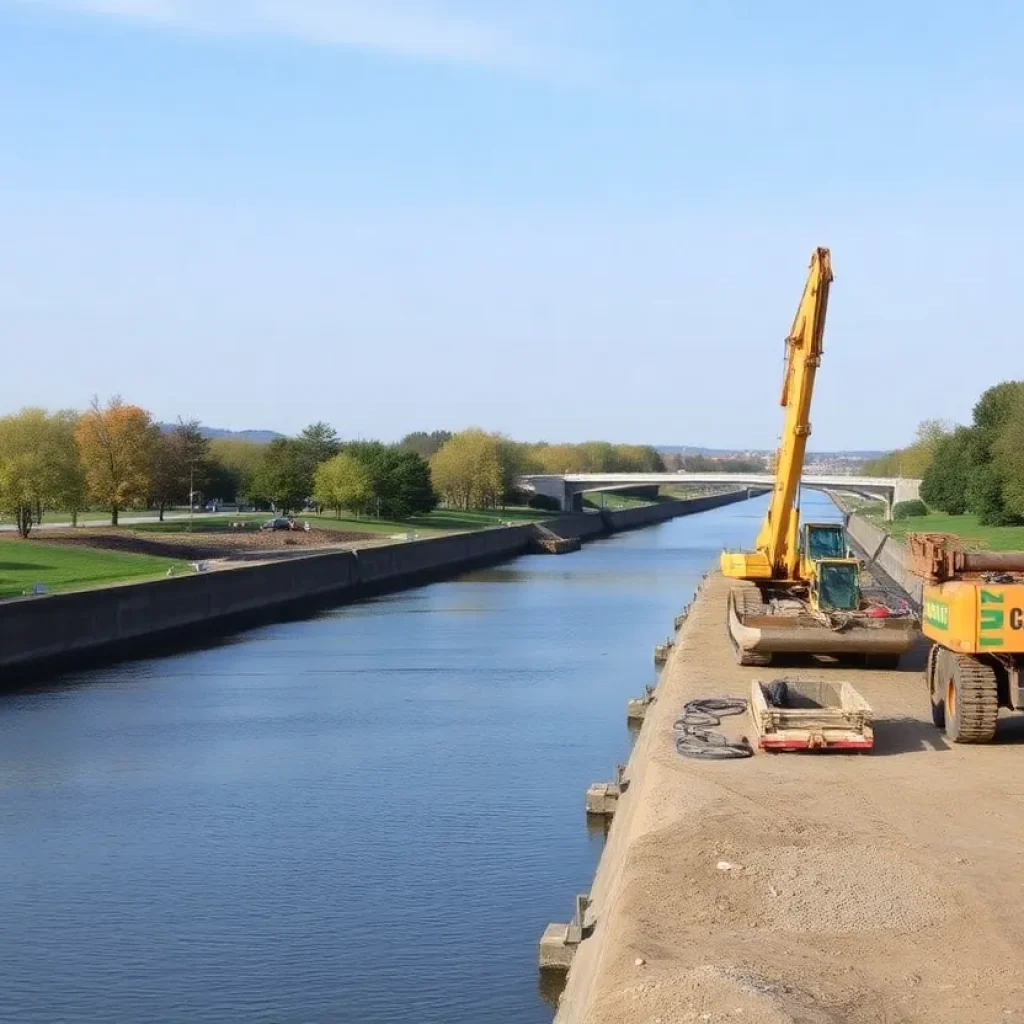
(697,739)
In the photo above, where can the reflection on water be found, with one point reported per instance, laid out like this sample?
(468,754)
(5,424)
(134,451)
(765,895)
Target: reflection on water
(368,816)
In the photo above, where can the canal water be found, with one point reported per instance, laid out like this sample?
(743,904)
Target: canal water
(366,817)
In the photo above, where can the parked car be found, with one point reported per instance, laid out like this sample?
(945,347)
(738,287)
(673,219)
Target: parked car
(279,523)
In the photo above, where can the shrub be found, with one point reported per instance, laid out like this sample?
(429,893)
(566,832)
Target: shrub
(909,509)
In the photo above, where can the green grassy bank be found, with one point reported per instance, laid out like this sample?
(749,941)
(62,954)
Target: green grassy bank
(26,563)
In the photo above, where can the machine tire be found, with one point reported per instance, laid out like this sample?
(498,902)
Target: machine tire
(971,698)
(936,657)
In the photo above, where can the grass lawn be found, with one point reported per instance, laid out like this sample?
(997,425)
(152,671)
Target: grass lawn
(993,538)
(615,500)
(23,563)
(456,519)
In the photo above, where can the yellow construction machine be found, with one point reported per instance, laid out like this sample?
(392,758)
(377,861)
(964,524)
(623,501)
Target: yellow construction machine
(973,612)
(799,591)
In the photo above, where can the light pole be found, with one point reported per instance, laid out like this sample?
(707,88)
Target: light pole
(191,493)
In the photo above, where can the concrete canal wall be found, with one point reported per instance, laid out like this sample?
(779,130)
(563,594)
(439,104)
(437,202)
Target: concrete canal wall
(68,627)
(891,556)
(646,515)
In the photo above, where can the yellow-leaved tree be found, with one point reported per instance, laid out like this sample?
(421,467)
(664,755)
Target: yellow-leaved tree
(117,443)
(39,466)
(467,470)
(343,482)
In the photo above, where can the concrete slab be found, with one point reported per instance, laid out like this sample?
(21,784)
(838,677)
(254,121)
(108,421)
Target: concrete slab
(555,952)
(603,798)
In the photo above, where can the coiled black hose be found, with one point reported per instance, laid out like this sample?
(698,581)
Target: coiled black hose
(697,739)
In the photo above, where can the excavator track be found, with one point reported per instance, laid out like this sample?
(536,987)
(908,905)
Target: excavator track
(748,601)
(971,697)
(757,635)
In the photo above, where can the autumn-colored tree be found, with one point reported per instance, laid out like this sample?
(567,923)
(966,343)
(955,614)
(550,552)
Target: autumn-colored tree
(467,470)
(559,458)
(595,457)
(116,443)
(38,465)
(343,483)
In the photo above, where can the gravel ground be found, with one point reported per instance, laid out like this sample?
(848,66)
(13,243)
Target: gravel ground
(859,888)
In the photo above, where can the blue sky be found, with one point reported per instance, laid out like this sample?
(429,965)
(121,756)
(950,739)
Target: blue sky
(558,220)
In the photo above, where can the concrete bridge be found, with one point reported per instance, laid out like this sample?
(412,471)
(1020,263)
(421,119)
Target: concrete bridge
(568,488)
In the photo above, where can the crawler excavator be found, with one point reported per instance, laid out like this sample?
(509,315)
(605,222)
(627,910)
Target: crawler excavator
(799,591)
(973,604)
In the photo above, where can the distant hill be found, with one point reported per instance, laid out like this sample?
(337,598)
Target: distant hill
(216,433)
(255,436)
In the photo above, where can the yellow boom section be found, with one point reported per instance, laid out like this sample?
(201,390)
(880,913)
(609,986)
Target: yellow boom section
(777,550)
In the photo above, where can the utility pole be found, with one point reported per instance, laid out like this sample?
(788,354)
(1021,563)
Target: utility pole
(191,493)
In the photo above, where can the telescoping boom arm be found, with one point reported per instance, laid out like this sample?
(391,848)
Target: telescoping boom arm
(777,550)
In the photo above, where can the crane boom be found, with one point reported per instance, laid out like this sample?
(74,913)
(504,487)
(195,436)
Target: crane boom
(777,553)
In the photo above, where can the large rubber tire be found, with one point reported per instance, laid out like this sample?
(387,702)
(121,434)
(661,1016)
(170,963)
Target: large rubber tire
(936,659)
(971,698)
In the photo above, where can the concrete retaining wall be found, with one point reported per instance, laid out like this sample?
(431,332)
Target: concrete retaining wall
(890,555)
(63,625)
(646,515)
(68,627)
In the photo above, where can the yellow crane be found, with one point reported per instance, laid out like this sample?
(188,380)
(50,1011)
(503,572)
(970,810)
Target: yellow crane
(973,612)
(800,591)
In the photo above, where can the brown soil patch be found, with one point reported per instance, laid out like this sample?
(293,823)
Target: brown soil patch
(207,545)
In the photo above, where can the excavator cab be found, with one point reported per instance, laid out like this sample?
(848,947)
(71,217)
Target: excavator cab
(818,541)
(825,563)
(835,585)
(823,540)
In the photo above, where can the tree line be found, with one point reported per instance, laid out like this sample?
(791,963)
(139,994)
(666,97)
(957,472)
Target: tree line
(476,469)
(977,468)
(115,457)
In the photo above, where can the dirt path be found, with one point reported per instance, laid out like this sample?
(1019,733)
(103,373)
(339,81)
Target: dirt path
(866,888)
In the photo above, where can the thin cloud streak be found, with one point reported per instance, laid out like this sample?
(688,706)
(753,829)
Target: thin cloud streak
(401,28)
